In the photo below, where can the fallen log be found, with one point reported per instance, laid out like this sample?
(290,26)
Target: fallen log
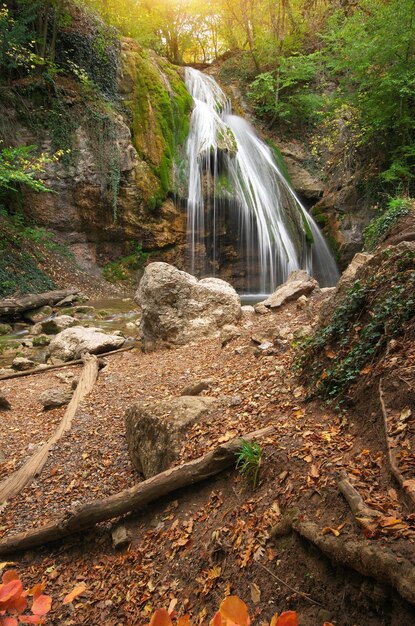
(13,307)
(13,484)
(40,370)
(133,498)
(369,559)
(407,485)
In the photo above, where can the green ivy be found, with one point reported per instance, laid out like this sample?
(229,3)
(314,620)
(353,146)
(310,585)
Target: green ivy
(378,228)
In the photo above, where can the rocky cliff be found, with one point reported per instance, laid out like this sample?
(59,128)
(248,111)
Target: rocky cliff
(120,136)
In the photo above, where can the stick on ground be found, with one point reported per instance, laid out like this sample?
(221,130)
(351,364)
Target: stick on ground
(13,484)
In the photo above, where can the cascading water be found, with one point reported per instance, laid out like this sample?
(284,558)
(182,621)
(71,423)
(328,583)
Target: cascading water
(240,205)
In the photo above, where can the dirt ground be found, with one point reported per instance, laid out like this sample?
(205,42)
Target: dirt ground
(215,538)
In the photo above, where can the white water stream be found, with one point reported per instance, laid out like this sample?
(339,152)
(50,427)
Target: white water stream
(239,201)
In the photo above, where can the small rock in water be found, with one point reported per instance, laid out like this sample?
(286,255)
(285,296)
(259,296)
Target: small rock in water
(21,364)
(51,398)
(41,340)
(57,324)
(5,329)
(39,314)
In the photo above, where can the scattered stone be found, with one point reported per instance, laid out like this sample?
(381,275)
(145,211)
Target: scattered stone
(261,309)
(228,333)
(130,326)
(4,403)
(155,430)
(265,348)
(298,283)
(41,340)
(73,342)
(302,302)
(38,315)
(54,397)
(118,333)
(247,310)
(303,332)
(178,309)
(56,324)
(5,329)
(5,371)
(21,363)
(197,388)
(2,457)
(120,537)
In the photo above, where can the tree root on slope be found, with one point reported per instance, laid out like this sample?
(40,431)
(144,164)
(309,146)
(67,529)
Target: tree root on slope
(369,559)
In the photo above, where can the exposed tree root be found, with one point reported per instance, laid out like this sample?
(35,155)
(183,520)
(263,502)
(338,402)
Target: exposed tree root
(13,484)
(88,515)
(408,486)
(369,559)
(354,499)
(61,365)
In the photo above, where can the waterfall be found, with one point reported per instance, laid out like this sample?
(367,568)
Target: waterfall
(241,212)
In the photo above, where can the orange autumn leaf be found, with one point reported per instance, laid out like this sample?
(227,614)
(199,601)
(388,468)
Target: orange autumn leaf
(235,610)
(10,590)
(36,590)
(41,605)
(184,621)
(74,593)
(20,603)
(10,575)
(161,617)
(288,618)
(31,619)
(10,621)
(217,620)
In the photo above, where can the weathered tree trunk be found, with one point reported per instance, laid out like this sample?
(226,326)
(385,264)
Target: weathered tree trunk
(88,515)
(13,307)
(13,484)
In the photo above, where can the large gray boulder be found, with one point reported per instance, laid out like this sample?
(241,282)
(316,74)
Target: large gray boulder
(179,309)
(155,430)
(299,283)
(73,342)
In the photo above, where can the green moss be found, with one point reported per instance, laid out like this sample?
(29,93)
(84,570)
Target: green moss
(279,159)
(160,111)
(123,269)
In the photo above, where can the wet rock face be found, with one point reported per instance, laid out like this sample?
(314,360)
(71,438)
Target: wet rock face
(179,309)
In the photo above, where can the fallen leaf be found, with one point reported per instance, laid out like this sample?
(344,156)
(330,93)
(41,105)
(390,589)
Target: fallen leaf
(255,593)
(74,593)
(327,530)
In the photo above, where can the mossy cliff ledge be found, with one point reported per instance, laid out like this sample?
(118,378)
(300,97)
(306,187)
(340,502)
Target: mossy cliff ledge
(115,182)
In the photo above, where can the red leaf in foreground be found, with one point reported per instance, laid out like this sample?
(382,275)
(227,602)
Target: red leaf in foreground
(161,618)
(10,575)
(31,619)
(74,593)
(41,605)
(10,590)
(10,621)
(235,610)
(288,618)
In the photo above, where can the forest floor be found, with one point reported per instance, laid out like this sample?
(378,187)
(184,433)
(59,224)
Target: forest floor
(214,538)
